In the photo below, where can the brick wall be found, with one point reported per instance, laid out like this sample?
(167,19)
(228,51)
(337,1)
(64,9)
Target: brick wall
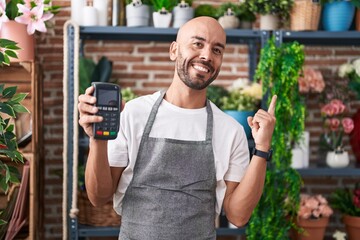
(145,67)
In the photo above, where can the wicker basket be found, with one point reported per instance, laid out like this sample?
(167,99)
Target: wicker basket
(305,15)
(96,216)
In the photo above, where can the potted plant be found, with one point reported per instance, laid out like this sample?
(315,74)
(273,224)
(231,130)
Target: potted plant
(162,12)
(18,24)
(183,12)
(272,13)
(337,15)
(335,125)
(243,100)
(228,15)
(206,10)
(246,16)
(352,72)
(279,69)
(312,217)
(347,201)
(137,13)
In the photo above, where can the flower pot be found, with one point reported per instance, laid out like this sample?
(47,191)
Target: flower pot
(355,136)
(337,159)
(182,15)
(229,22)
(17,32)
(241,117)
(137,15)
(300,152)
(338,15)
(269,22)
(352,225)
(162,19)
(314,229)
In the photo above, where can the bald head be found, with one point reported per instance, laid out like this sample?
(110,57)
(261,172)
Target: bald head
(206,26)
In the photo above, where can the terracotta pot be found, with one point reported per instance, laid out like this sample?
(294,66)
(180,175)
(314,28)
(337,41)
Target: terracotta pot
(17,32)
(355,136)
(314,229)
(352,225)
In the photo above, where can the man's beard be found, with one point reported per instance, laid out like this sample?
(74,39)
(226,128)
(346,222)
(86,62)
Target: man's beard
(183,73)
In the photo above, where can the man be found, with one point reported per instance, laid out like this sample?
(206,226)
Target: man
(178,159)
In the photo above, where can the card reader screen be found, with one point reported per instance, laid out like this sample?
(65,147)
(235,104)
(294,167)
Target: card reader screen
(107,98)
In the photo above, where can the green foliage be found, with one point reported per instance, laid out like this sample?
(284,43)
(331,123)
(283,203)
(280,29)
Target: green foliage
(215,94)
(147,2)
(279,69)
(222,9)
(245,14)
(240,102)
(263,7)
(127,94)
(160,4)
(90,72)
(343,200)
(12,10)
(205,10)
(10,105)
(8,50)
(356,3)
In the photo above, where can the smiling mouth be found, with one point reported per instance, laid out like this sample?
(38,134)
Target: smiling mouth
(201,69)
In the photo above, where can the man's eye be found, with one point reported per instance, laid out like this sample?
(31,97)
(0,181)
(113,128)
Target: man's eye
(198,44)
(217,51)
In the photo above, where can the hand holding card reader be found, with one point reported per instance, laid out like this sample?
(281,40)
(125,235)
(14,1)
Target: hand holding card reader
(108,101)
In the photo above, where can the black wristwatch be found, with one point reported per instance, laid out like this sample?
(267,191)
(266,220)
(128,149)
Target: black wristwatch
(266,155)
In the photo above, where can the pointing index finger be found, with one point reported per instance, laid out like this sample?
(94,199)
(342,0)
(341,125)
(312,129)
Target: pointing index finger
(272,105)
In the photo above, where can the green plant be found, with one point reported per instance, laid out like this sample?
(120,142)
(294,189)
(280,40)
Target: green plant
(215,94)
(278,69)
(7,49)
(245,14)
(246,97)
(263,7)
(128,94)
(205,10)
(347,200)
(10,105)
(223,8)
(136,2)
(352,71)
(356,3)
(161,5)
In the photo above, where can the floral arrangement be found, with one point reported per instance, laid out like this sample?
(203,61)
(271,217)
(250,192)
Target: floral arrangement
(311,81)
(347,200)
(243,96)
(335,124)
(33,13)
(313,207)
(352,71)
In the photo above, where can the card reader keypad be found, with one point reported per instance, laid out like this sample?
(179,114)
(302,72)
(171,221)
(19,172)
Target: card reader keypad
(110,118)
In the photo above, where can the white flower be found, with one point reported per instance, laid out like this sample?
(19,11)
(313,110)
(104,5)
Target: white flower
(254,90)
(240,83)
(356,65)
(345,69)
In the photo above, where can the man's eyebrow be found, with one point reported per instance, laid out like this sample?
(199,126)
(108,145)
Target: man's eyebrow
(203,39)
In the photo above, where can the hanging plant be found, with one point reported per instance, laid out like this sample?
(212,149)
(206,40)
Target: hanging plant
(279,69)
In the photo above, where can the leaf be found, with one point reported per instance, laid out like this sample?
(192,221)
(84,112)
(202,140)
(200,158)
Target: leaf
(11,53)
(9,92)
(102,71)
(20,108)
(1,88)
(5,108)
(86,69)
(18,97)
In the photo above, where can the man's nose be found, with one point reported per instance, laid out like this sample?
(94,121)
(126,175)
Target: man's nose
(206,54)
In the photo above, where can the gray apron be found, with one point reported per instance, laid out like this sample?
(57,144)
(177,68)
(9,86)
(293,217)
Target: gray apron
(172,193)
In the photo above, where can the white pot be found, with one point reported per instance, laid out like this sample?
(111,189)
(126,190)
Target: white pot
(337,160)
(300,152)
(269,22)
(182,15)
(297,160)
(137,15)
(229,22)
(162,20)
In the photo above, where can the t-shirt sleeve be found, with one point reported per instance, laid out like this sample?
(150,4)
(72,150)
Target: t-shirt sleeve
(239,159)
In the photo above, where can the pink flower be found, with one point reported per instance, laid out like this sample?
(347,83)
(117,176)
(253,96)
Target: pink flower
(356,201)
(311,81)
(338,106)
(348,125)
(325,210)
(3,17)
(334,124)
(304,212)
(34,18)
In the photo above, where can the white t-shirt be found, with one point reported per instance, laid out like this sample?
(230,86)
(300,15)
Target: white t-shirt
(230,146)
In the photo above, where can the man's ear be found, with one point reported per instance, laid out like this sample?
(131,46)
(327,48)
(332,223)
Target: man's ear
(173,51)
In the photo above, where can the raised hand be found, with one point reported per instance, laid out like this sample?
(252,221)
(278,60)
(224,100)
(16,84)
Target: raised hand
(262,126)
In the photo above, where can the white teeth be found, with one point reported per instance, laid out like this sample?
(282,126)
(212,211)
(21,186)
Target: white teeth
(201,68)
